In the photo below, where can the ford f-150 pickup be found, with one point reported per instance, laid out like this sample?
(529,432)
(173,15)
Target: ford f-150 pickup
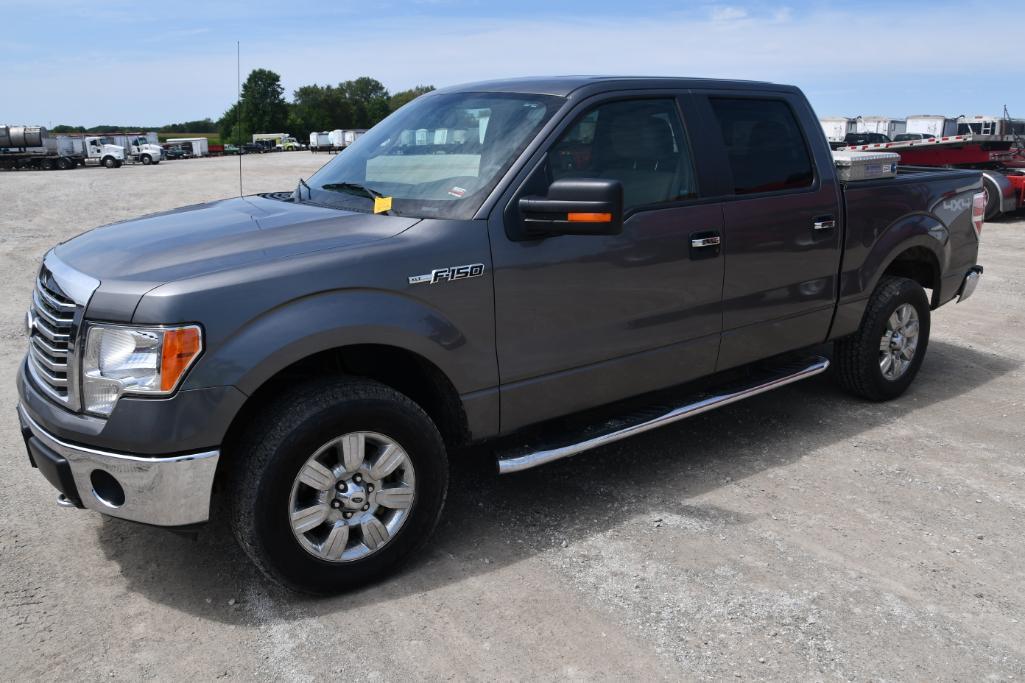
(547,265)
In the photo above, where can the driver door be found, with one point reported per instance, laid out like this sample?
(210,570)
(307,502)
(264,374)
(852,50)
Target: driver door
(584,320)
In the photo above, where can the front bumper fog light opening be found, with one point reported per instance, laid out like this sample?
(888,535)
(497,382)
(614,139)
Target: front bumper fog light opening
(107,489)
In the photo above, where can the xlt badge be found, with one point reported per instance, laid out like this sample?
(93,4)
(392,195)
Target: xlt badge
(448,274)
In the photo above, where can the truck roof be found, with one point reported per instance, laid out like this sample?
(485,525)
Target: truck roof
(563,86)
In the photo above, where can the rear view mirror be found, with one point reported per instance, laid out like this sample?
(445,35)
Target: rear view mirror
(575,206)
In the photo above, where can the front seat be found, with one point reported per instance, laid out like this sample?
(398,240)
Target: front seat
(640,152)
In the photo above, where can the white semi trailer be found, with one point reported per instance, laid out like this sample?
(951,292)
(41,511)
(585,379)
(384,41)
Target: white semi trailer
(200,146)
(320,142)
(932,124)
(883,125)
(836,128)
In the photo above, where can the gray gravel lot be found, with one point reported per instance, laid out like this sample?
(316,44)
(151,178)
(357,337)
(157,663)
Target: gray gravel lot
(801,534)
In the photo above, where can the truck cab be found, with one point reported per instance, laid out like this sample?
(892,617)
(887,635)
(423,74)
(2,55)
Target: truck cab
(99,150)
(145,151)
(539,267)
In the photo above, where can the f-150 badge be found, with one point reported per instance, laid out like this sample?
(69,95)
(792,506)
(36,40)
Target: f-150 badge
(448,274)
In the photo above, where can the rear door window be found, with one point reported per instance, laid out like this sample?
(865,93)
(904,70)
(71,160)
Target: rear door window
(767,152)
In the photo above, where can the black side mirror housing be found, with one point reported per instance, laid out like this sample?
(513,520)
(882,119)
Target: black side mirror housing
(574,206)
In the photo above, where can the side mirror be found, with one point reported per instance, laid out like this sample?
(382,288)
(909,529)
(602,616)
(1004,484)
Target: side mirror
(575,206)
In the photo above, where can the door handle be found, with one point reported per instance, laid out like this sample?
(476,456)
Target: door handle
(704,245)
(824,223)
(712,241)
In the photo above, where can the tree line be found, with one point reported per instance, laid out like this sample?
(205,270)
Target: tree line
(262,108)
(200,126)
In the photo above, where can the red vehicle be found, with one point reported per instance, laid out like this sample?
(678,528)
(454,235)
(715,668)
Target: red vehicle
(1002,164)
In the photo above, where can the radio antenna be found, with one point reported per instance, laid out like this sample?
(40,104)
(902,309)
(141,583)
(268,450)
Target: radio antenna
(238,110)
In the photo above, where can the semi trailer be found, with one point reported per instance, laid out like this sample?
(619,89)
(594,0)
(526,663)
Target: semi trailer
(1003,182)
(200,147)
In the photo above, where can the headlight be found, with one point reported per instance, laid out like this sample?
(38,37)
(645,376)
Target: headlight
(135,360)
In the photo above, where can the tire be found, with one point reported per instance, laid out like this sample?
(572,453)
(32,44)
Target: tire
(109,162)
(265,488)
(858,359)
(63,164)
(147,160)
(992,198)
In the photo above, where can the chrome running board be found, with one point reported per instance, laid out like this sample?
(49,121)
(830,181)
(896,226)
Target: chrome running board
(525,458)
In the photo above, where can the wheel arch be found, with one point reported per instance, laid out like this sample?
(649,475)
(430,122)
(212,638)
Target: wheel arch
(399,368)
(916,247)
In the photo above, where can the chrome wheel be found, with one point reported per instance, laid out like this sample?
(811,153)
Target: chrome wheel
(899,342)
(352,496)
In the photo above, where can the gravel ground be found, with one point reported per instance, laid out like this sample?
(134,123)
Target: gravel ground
(802,534)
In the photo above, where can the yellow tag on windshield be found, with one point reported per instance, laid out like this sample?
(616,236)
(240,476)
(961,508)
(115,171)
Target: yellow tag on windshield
(382,204)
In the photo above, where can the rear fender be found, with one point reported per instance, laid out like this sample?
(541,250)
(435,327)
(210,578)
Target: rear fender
(920,230)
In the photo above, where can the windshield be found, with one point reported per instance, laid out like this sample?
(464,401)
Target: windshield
(438,156)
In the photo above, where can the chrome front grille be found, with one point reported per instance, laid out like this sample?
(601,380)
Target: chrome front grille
(51,335)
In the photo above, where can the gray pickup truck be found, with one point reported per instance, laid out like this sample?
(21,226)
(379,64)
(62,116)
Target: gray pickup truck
(547,265)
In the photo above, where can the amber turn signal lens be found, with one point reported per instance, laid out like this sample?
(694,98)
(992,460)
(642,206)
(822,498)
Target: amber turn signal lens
(589,217)
(181,346)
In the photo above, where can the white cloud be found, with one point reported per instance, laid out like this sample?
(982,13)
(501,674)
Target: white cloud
(724,14)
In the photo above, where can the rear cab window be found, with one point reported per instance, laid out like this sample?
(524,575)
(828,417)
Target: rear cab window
(765,147)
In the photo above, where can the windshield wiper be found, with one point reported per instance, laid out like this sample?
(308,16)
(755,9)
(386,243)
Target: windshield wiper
(352,188)
(356,188)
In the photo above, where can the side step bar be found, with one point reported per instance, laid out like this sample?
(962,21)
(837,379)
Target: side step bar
(525,458)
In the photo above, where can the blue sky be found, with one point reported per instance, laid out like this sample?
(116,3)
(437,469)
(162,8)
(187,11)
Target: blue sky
(107,61)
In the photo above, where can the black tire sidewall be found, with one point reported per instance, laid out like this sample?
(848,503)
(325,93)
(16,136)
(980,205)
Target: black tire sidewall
(992,199)
(272,533)
(909,292)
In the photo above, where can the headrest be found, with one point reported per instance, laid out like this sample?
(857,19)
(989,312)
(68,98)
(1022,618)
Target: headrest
(639,136)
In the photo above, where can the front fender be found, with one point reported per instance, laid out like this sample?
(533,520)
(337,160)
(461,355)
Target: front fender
(328,320)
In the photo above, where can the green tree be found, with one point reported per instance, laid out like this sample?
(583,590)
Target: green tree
(406,96)
(231,129)
(317,108)
(369,100)
(200,126)
(262,109)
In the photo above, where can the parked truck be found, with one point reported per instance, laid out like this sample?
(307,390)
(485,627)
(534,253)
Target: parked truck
(281,142)
(33,147)
(142,148)
(527,285)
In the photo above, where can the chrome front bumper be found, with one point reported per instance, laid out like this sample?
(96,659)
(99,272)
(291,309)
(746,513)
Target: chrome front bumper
(971,281)
(173,491)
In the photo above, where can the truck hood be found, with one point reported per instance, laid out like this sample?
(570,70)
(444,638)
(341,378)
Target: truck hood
(206,238)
